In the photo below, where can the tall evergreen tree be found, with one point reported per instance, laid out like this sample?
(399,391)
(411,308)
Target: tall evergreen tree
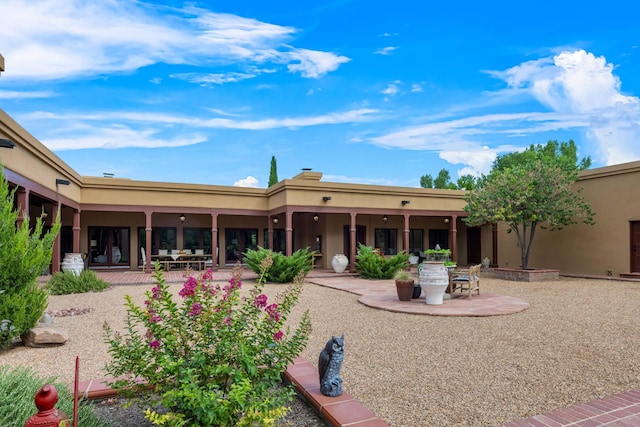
(273,173)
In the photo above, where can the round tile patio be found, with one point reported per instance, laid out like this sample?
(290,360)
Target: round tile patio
(382,295)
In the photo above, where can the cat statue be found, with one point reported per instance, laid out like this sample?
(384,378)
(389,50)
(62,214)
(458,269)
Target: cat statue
(329,364)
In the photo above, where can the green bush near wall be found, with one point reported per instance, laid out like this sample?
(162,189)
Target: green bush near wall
(65,282)
(370,265)
(284,268)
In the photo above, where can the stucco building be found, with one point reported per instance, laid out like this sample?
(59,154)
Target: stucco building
(116,222)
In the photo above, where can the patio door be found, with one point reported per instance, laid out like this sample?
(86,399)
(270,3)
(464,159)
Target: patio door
(237,241)
(109,247)
(635,246)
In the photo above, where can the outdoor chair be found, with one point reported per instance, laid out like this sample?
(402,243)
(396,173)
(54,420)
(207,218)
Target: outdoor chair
(143,255)
(467,283)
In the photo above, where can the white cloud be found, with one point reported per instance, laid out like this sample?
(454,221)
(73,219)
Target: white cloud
(141,129)
(416,88)
(118,136)
(48,39)
(14,94)
(385,50)
(212,78)
(247,182)
(583,85)
(478,161)
(391,90)
(313,63)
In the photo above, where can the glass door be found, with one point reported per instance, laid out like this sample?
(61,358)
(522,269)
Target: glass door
(109,247)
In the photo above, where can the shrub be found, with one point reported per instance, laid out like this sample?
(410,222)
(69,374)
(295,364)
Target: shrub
(370,265)
(66,282)
(214,358)
(284,268)
(25,251)
(19,386)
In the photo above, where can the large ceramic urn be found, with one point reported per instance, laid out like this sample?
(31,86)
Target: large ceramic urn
(434,279)
(339,262)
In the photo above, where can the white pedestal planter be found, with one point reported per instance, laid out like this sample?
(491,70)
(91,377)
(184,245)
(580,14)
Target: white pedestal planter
(339,262)
(72,262)
(434,279)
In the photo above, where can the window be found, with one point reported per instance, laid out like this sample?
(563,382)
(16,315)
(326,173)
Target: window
(237,241)
(439,237)
(416,241)
(197,238)
(279,240)
(161,238)
(386,239)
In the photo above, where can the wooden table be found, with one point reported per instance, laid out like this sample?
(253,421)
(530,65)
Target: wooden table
(184,260)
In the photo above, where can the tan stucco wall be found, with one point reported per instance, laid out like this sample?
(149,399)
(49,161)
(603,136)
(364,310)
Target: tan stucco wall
(614,195)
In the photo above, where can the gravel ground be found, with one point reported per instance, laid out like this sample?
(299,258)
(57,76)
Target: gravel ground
(579,341)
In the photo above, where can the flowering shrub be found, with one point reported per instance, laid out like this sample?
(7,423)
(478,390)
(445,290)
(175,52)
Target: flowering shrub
(215,357)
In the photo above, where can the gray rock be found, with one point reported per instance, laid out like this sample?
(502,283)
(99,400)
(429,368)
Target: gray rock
(45,335)
(46,318)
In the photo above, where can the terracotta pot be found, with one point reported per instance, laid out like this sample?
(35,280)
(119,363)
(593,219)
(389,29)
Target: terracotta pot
(404,289)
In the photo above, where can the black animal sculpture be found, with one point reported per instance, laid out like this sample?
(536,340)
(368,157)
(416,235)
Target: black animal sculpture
(329,364)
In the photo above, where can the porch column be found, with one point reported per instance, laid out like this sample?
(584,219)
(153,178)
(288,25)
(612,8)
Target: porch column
(494,232)
(454,238)
(269,241)
(288,227)
(22,197)
(55,255)
(76,231)
(406,233)
(147,246)
(352,249)
(214,241)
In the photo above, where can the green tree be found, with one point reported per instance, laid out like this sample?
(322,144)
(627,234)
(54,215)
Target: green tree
(273,173)
(443,181)
(24,254)
(426,181)
(531,189)
(467,182)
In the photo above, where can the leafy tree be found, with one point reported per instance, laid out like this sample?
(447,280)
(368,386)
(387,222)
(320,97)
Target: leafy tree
(24,254)
(443,181)
(426,181)
(467,182)
(530,189)
(273,173)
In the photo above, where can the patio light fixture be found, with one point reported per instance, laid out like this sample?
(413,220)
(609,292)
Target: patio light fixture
(182,217)
(446,220)
(7,143)
(385,218)
(275,220)
(316,217)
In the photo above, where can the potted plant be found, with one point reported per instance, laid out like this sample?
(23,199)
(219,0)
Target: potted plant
(404,285)
(438,254)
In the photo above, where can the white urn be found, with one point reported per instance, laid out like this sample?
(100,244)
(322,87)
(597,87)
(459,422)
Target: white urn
(434,279)
(339,262)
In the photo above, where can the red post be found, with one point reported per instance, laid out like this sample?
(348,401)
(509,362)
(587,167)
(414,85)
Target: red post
(47,416)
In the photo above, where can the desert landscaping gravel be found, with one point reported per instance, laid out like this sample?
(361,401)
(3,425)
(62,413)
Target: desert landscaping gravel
(578,341)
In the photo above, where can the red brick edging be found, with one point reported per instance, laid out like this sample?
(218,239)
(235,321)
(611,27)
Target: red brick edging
(338,411)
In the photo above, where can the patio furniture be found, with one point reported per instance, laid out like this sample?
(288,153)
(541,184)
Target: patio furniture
(466,283)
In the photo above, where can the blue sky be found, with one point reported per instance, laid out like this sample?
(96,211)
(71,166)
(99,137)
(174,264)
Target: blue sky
(364,91)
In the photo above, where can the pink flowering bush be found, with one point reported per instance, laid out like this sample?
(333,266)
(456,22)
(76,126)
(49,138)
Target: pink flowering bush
(214,358)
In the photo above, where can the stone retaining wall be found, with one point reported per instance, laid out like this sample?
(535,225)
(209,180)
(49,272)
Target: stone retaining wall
(531,275)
